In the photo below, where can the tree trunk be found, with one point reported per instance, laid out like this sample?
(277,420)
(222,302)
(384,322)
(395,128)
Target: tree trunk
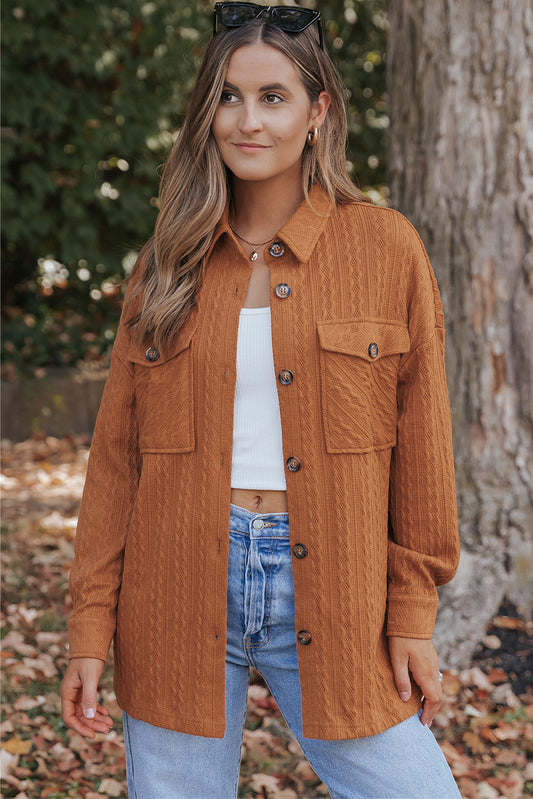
(461,168)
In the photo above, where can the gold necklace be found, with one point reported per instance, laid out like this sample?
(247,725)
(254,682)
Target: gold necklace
(254,256)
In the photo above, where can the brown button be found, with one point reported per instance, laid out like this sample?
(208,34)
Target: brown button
(299,551)
(282,290)
(373,350)
(286,377)
(293,464)
(276,249)
(304,637)
(151,354)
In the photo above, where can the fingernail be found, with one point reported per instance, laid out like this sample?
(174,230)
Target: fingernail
(89,713)
(404,696)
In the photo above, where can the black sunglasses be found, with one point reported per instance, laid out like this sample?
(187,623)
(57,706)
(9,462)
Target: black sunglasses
(290,19)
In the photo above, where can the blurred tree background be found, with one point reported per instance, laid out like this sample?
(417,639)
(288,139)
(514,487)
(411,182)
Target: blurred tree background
(93,94)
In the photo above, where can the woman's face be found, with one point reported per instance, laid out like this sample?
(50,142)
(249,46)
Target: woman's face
(264,115)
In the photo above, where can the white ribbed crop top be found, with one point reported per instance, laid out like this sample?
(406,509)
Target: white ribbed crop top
(257,444)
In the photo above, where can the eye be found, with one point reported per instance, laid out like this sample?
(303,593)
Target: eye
(228,97)
(273,99)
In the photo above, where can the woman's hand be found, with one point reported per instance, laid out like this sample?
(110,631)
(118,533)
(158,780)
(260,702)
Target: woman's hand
(418,656)
(80,709)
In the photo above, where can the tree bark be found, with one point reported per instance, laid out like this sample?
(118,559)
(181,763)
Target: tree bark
(460,76)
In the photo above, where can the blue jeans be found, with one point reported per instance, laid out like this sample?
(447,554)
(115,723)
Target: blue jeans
(403,762)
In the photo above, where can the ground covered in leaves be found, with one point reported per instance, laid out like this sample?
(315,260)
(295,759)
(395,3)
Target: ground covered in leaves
(485,727)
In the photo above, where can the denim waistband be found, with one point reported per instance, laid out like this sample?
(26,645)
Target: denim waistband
(258,525)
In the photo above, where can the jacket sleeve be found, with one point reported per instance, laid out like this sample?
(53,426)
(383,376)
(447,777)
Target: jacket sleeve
(423,534)
(106,508)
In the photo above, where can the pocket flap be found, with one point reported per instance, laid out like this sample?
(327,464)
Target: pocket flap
(367,338)
(147,355)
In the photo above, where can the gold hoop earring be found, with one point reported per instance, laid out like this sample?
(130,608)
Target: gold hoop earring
(312,137)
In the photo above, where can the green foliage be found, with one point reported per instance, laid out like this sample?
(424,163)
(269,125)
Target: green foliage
(92,94)
(356,40)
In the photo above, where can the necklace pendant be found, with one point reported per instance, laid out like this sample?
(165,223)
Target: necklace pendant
(254,256)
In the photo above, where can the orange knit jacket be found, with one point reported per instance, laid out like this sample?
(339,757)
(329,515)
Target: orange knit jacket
(357,318)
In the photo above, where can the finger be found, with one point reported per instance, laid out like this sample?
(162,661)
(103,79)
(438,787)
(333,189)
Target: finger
(74,721)
(102,714)
(400,667)
(88,699)
(432,700)
(89,727)
(103,720)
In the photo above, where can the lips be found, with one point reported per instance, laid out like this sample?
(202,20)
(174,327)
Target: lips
(250,146)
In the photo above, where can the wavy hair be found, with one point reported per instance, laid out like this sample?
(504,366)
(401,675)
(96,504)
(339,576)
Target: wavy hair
(195,183)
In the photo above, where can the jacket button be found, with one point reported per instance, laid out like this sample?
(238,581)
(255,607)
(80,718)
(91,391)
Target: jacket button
(286,377)
(151,354)
(299,551)
(293,464)
(373,350)
(304,637)
(276,249)
(282,290)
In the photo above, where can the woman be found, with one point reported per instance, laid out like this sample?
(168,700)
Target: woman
(280,356)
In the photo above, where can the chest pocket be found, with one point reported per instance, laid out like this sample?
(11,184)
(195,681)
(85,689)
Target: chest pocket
(359,367)
(164,393)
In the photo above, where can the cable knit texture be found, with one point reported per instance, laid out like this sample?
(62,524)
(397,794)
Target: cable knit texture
(367,417)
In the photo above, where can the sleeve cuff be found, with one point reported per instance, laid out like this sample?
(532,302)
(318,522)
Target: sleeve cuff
(411,617)
(90,638)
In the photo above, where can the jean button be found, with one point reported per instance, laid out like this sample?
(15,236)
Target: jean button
(258,524)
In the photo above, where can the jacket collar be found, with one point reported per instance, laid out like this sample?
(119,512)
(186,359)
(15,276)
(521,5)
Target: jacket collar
(302,230)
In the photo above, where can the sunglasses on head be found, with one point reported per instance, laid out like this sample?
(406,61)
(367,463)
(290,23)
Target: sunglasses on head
(290,19)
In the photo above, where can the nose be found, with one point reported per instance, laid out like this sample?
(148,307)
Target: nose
(250,121)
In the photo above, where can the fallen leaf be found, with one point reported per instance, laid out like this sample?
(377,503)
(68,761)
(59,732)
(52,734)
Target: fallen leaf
(17,746)
(111,787)
(451,683)
(488,734)
(28,702)
(305,771)
(486,791)
(491,642)
(511,785)
(264,782)
(509,623)
(508,757)
(506,732)
(8,761)
(503,695)
(474,742)
(469,788)
(474,677)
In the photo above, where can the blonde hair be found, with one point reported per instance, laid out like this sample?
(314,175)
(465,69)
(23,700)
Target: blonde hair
(195,184)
